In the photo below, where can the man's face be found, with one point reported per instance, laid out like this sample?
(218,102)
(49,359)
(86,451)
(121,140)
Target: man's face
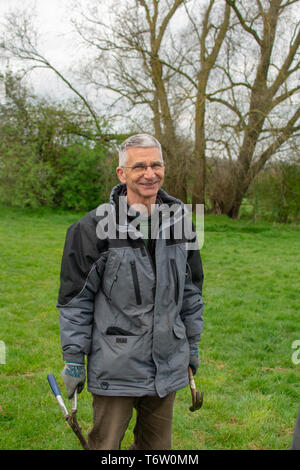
(142,185)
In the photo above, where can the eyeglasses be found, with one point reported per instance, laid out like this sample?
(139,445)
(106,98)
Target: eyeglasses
(139,168)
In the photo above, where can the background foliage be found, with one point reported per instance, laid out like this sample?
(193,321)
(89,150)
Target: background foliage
(44,161)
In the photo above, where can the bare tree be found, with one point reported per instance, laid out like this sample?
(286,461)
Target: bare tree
(263,110)
(132,48)
(144,60)
(206,36)
(150,62)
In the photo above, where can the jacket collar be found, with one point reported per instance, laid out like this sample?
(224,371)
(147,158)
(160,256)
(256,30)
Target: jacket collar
(126,215)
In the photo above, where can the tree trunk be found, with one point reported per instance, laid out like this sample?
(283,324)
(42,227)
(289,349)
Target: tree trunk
(233,212)
(199,160)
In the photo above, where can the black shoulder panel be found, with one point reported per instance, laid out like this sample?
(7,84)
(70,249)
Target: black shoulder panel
(82,249)
(195,263)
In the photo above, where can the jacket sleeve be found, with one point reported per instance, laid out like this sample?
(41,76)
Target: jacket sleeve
(193,305)
(81,272)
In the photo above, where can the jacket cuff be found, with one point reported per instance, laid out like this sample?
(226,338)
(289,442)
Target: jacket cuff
(76,358)
(194,339)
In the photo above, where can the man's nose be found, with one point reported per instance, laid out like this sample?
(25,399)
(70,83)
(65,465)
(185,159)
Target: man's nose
(149,173)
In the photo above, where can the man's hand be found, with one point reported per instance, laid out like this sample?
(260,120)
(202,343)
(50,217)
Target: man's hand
(194,358)
(73,376)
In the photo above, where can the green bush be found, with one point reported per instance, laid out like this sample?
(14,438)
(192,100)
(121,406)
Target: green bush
(81,178)
(84,177)
(25,181)
(275,193)
(44,158)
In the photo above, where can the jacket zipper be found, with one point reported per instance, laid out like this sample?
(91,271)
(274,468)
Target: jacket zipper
(136,283)
(176,279)
(145,252)
(112,285)
(115,278)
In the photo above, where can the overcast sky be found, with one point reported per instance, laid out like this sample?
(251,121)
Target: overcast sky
(53,22)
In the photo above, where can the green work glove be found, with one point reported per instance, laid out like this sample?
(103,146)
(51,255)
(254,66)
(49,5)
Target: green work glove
(73,375)
(194,358)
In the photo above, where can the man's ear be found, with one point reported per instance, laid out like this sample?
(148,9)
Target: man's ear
(121,174)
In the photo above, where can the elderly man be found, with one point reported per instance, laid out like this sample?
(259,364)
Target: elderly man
(130,300)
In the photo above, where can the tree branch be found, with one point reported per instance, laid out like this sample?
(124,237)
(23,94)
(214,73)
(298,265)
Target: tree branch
(243,22)
(285,134)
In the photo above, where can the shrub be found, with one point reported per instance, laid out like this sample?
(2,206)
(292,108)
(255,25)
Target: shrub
(84,177)
(25,181)
(275,194)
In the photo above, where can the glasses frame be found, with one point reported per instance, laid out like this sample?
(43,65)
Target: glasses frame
(146,166)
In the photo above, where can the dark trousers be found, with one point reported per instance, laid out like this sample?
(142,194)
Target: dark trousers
(112,415)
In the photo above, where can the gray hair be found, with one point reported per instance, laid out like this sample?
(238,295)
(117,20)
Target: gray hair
(138,140)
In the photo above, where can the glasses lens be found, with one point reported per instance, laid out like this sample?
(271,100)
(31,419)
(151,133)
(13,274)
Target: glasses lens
(139,168)
(143,168)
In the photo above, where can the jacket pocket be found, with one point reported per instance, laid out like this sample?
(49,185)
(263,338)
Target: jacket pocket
(110,275)
(136,283)
(179,349)
(116,330)
(176,279)
(122,358)
(179,331)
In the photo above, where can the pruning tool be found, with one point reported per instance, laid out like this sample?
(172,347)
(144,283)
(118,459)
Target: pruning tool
(197,397)
(70,418)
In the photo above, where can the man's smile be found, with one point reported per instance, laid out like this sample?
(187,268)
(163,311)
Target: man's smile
(149,185)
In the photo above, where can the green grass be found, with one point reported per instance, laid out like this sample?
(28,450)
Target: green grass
(251,292)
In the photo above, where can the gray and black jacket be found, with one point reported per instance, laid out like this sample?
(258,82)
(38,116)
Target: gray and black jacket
(131,309)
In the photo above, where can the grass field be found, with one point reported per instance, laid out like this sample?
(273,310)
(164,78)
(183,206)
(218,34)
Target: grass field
(251,292)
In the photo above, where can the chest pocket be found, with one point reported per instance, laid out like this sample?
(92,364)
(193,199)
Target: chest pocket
(128,281)
(110,275)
